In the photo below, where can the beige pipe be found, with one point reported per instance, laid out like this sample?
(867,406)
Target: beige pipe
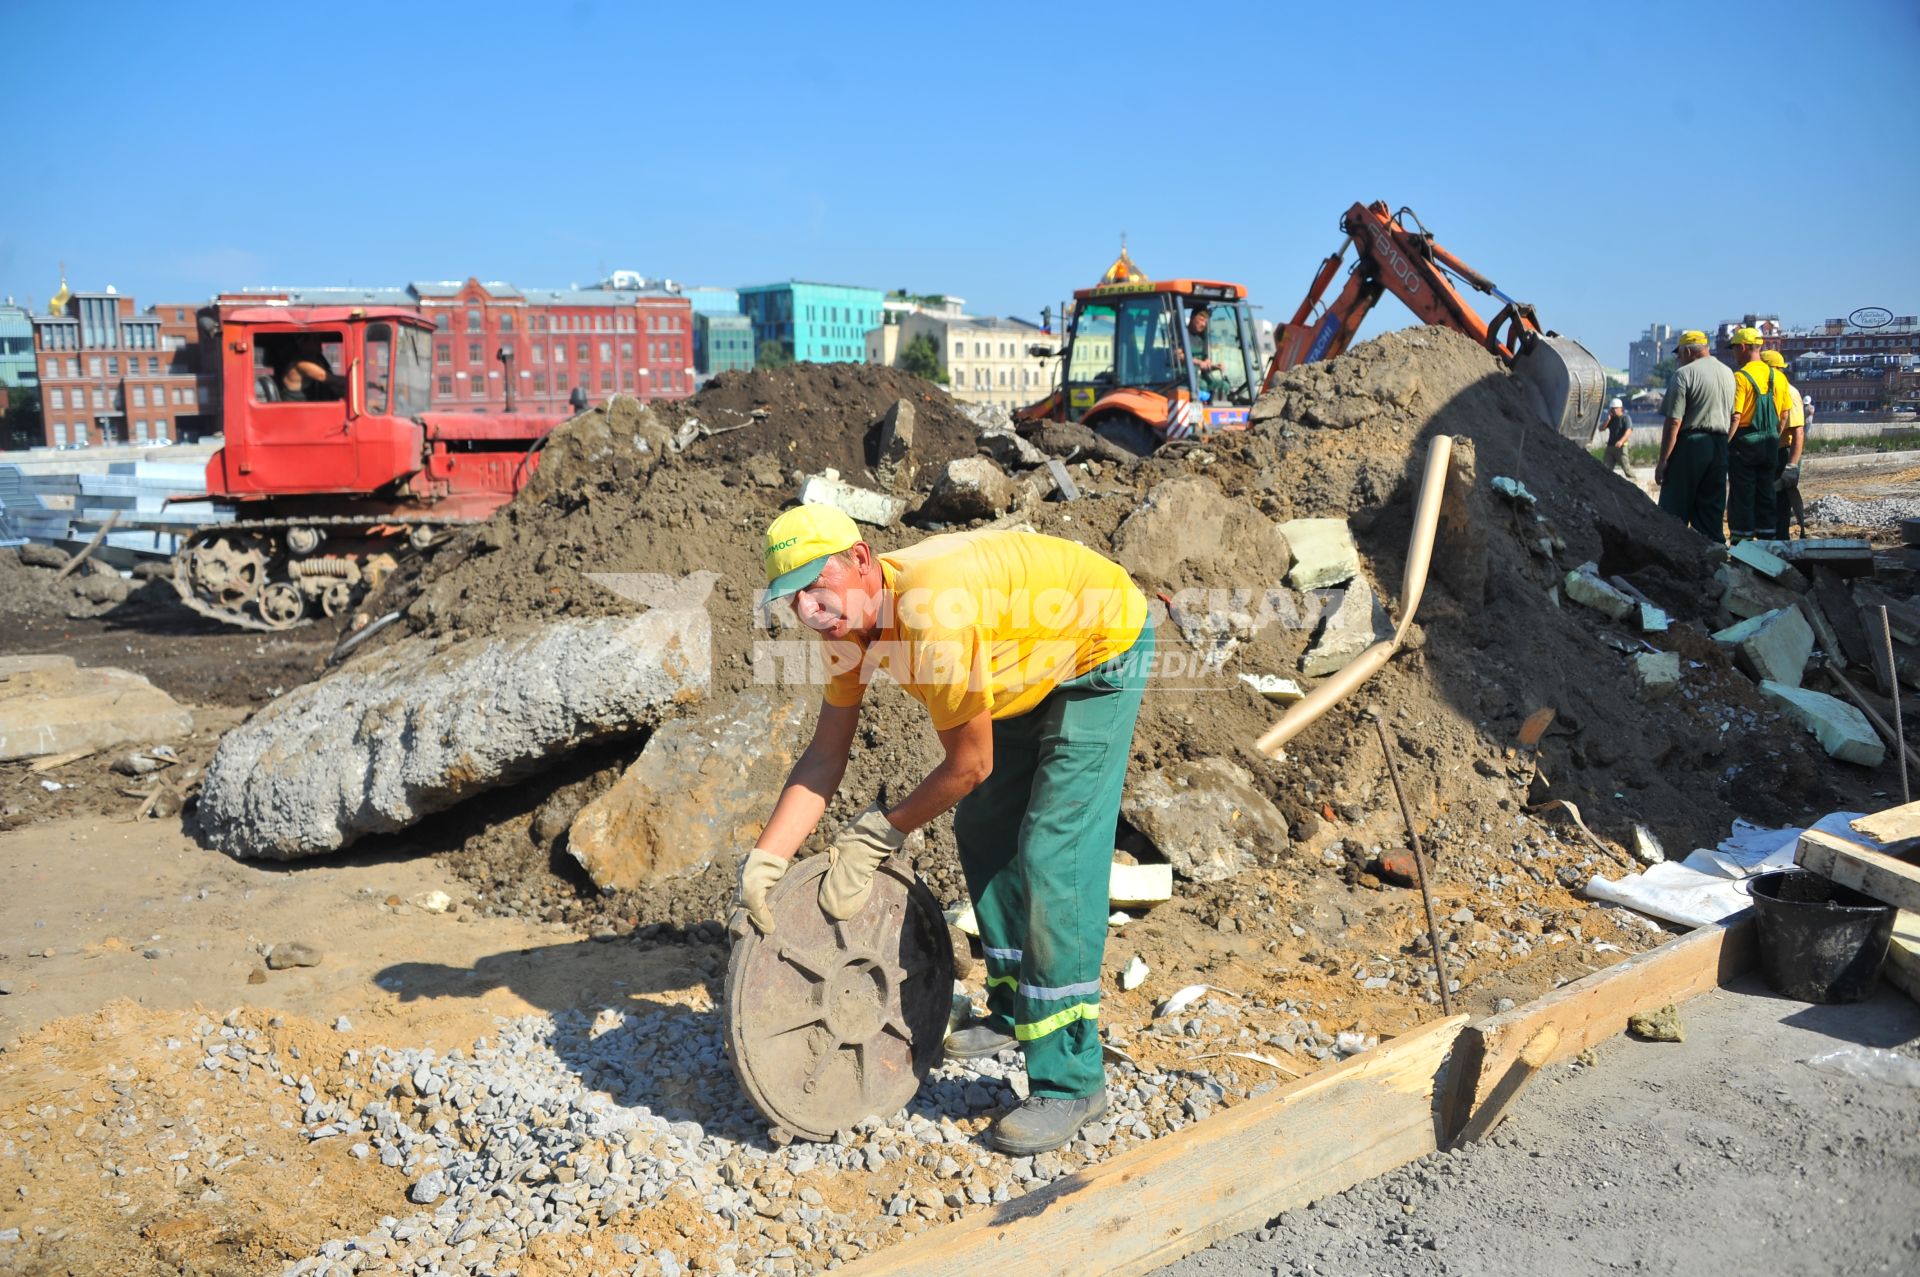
(1426,518)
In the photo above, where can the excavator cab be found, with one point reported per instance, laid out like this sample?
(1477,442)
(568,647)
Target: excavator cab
(1148,361)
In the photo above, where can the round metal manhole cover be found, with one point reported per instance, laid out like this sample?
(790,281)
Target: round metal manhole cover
(830,1022)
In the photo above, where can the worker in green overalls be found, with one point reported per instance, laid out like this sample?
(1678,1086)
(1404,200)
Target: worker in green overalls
(1030,654)
(1692,471)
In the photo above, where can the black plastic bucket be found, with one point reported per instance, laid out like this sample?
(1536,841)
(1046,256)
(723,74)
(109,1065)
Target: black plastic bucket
(1819,941)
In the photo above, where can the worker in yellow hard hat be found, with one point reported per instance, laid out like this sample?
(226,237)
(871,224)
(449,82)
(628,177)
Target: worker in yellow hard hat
(1692,471)
(1788,507)
(1762,403)
(1030,654)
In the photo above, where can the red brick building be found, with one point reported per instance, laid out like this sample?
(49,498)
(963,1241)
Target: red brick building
(597,341)
(1841,367)
(113,374)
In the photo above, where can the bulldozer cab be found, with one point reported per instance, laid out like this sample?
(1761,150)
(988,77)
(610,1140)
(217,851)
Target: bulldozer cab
(1166,338)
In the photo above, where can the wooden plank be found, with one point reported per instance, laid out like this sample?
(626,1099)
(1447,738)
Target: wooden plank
(1488,1061)
(1533,1057)
(1895,824)
(1852,865)
(100,534)
(1151,1205)
(1903,955)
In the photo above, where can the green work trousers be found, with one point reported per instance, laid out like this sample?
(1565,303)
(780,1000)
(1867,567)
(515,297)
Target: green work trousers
(1036,845)
(1750,476)
(1695,491)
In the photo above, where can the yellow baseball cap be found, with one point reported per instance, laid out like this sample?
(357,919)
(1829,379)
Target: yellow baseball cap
(799,543)
(1744,336)
(1691,337)
(1773,359)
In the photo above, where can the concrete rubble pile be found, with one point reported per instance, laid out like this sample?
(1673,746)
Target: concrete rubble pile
(1274,552)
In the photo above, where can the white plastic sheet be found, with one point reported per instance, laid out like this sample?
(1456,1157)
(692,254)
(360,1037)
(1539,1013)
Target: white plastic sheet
(1703,888)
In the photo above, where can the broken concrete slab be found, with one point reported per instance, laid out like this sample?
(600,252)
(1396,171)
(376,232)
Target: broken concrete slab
(1323,553)
(1842,730)
(1848,556)
(1354,624)
(1775,645)
(416,727)
(1584,586)
(1751,553)
(1657,669)
(895,466)
(1009,450)
(50,706)
(1749,594)
(1207,817)
(696,795)
(1132,886)
(863,505)
(1189,532)
(1836,602)
(969,488)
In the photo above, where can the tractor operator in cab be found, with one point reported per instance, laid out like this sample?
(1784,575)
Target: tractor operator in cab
(1213,377)
(306,380)
(1031,655)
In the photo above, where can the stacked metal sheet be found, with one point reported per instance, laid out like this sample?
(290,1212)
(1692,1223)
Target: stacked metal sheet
(66,509)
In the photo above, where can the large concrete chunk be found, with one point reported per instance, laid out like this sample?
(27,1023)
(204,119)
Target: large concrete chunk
(1355,624)
(1842,730)
(1190,533)
(50,706)
(413,729)
(1774,645)
(1323,552)
(698,793)
(1584,586)
(1207,817)
(896,466)
(969,488)
(862,505)
(1761,560)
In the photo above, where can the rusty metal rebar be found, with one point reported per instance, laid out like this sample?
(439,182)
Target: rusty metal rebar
(1893,686)
(1419,865)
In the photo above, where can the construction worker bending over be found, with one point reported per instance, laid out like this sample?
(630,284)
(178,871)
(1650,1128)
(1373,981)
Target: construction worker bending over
(1030,654)
(1787,506)
(1692,471)
(1761,404)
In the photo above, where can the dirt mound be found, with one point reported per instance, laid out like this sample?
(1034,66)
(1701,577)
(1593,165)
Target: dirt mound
(1344,438)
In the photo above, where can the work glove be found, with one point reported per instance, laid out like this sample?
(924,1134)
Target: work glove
(856,853)
(1790,477)
(759,871)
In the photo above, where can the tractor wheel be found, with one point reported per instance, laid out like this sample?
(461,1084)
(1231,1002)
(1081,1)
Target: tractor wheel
(1127,431)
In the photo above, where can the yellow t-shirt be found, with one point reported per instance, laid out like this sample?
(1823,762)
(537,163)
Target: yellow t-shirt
(990,622)
(1743,397)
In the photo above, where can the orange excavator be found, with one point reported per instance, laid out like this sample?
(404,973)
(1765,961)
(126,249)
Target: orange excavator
(1567,382)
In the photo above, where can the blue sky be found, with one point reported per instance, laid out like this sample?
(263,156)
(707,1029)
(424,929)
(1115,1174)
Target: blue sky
(1613,164)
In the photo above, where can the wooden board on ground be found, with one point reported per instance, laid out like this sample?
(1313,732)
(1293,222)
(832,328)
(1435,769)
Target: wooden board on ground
(1862,868)
(1492,1062)
(1903,955)
(1151,1205)
(1895,824)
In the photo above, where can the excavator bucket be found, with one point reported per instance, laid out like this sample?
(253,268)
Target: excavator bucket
(1568,385)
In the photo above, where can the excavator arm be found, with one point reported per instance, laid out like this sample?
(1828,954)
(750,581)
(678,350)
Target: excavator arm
(1389,258)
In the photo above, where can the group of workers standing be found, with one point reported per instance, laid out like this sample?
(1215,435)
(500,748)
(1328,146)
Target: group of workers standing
(1730,452)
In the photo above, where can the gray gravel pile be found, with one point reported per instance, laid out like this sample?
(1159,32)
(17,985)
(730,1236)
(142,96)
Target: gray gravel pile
(560,1125)
(1872,512)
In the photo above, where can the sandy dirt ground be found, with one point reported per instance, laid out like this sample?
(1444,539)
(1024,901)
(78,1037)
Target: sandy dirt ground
(1724,1153)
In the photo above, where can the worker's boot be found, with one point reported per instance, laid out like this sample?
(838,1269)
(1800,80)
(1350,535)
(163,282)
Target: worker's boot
(1045,1122)
(977,1039)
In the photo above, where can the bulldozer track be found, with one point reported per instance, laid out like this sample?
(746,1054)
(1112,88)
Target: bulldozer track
(254,596)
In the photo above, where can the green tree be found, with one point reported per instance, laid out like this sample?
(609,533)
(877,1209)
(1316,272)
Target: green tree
(20,425)
(922,358)
(1662,373)
(773,354)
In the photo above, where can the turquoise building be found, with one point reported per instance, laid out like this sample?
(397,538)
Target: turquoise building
(17,368)
(722,343)
(817,323)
